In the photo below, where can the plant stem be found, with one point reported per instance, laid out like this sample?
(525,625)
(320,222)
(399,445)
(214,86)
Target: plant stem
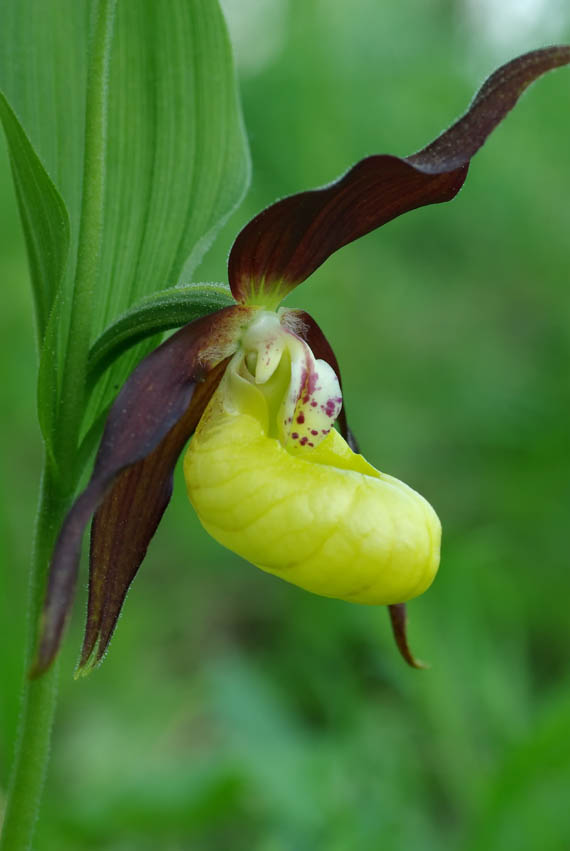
(90,233)
(38,696)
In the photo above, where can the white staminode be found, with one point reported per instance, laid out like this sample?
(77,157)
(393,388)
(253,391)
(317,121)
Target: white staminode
(312,398)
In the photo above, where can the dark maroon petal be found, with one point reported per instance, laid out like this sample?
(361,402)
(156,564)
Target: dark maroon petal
(312,334)
(398,619)
(127,519)
(150,404)
(494,100)
(285,243)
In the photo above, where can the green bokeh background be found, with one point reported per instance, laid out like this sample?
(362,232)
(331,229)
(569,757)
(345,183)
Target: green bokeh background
(235,711)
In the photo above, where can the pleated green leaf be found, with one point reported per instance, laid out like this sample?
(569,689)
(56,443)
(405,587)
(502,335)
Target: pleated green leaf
(176,159)
(43,72)
(177,162)
(44,217)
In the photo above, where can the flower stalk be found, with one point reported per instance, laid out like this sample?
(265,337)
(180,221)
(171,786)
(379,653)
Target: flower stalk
(38,698)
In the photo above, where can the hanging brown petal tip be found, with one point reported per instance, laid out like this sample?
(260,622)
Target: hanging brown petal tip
(126,521)
(398,619)
(149,422)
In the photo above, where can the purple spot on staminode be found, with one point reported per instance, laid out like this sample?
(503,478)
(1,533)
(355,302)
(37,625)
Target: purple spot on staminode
(301,418)
(314,431)
(295,435)
(303,441)
(314,403)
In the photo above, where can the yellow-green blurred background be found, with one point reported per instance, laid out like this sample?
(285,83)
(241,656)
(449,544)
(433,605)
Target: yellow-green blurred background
(237,712)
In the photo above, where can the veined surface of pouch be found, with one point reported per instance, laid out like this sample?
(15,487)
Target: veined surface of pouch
(325,520)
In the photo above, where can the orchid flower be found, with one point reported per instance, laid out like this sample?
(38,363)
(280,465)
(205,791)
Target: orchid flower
(259,386)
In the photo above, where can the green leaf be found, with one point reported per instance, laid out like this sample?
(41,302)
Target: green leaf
(44,216)
(43,65)
(48,383)
(177,163)
(46,229)
(176,159)
(160,312)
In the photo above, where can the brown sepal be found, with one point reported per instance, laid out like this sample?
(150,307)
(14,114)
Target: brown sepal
(126,521)
(285,243)
(398,619)
(151,403)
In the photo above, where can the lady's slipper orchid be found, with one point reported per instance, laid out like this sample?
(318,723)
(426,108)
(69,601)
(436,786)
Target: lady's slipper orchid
(266,471)
(273,481)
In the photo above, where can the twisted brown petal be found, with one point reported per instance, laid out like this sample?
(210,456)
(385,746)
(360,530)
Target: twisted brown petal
(285,243)
(153,401)
(126,521)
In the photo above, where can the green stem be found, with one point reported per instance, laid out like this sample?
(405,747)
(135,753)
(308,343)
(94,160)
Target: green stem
(90,233)
(38,696)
